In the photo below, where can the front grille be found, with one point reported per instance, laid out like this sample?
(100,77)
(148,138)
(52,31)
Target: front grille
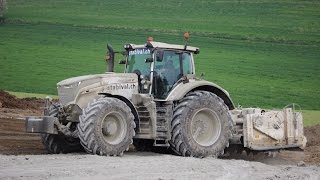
(66,94)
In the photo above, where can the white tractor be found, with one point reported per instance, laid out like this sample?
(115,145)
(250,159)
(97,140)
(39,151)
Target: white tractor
(158,101)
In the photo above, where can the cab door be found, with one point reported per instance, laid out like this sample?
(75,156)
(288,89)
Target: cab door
(169,67)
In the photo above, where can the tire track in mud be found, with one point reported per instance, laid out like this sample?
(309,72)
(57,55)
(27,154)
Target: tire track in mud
(14,140)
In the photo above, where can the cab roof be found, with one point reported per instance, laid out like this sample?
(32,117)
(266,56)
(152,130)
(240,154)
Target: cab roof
(153,44)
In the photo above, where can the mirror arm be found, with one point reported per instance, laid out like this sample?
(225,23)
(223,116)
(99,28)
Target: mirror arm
(110,58)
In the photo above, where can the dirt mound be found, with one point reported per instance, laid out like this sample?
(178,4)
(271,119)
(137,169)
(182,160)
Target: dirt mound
(9,101)
(312,151)
(312,133)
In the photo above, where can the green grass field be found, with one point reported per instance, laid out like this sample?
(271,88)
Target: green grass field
(311,118)
(264,52)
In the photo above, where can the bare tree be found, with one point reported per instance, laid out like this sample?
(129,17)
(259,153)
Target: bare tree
(3,9)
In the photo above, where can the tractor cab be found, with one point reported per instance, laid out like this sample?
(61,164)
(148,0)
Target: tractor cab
(159,66)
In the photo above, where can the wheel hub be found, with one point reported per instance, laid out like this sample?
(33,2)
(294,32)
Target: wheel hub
(113,128)
(110,128)
(205,127)
(200,127)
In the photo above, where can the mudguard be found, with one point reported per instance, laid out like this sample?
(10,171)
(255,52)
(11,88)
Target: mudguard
(181,89)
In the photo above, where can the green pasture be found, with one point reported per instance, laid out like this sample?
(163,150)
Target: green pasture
(266,53)
(311,118)
(293,21)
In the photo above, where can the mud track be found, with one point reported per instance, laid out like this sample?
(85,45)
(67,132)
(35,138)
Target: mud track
(22,156)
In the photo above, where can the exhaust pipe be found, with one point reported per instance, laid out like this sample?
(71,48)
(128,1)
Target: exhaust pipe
(110,58)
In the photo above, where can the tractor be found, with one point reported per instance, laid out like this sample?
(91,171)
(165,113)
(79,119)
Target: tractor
(158,102)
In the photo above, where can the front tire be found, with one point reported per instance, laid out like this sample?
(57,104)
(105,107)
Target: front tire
(106,127)
(201,125)
(58,143)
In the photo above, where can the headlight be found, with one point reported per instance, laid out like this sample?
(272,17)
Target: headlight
(72,85)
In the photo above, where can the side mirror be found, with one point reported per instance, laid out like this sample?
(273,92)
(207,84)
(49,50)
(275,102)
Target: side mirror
(148,60)
(122,62)
(159,56)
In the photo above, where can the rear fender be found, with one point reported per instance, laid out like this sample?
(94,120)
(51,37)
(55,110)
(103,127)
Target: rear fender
(182,89)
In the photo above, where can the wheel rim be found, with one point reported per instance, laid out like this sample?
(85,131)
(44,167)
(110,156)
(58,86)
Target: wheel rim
(205,127)
(114,128)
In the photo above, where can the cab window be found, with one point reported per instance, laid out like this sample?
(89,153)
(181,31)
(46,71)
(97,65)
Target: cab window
(136,62)
(169,69)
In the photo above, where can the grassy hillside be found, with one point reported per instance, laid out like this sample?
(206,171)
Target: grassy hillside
(264,52)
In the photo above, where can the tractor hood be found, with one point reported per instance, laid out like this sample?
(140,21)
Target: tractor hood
(81,90)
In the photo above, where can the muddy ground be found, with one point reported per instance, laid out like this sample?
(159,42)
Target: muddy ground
(22,156)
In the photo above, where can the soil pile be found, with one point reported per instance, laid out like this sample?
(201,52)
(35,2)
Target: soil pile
(312,133)
(312,151)
(9,101)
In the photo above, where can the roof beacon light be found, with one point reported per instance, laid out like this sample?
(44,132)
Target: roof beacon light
(186,36)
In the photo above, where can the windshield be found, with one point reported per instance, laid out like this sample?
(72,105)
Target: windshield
(136,62)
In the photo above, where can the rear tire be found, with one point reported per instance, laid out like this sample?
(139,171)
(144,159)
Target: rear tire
(201,125)
(57,143)
(106,127)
